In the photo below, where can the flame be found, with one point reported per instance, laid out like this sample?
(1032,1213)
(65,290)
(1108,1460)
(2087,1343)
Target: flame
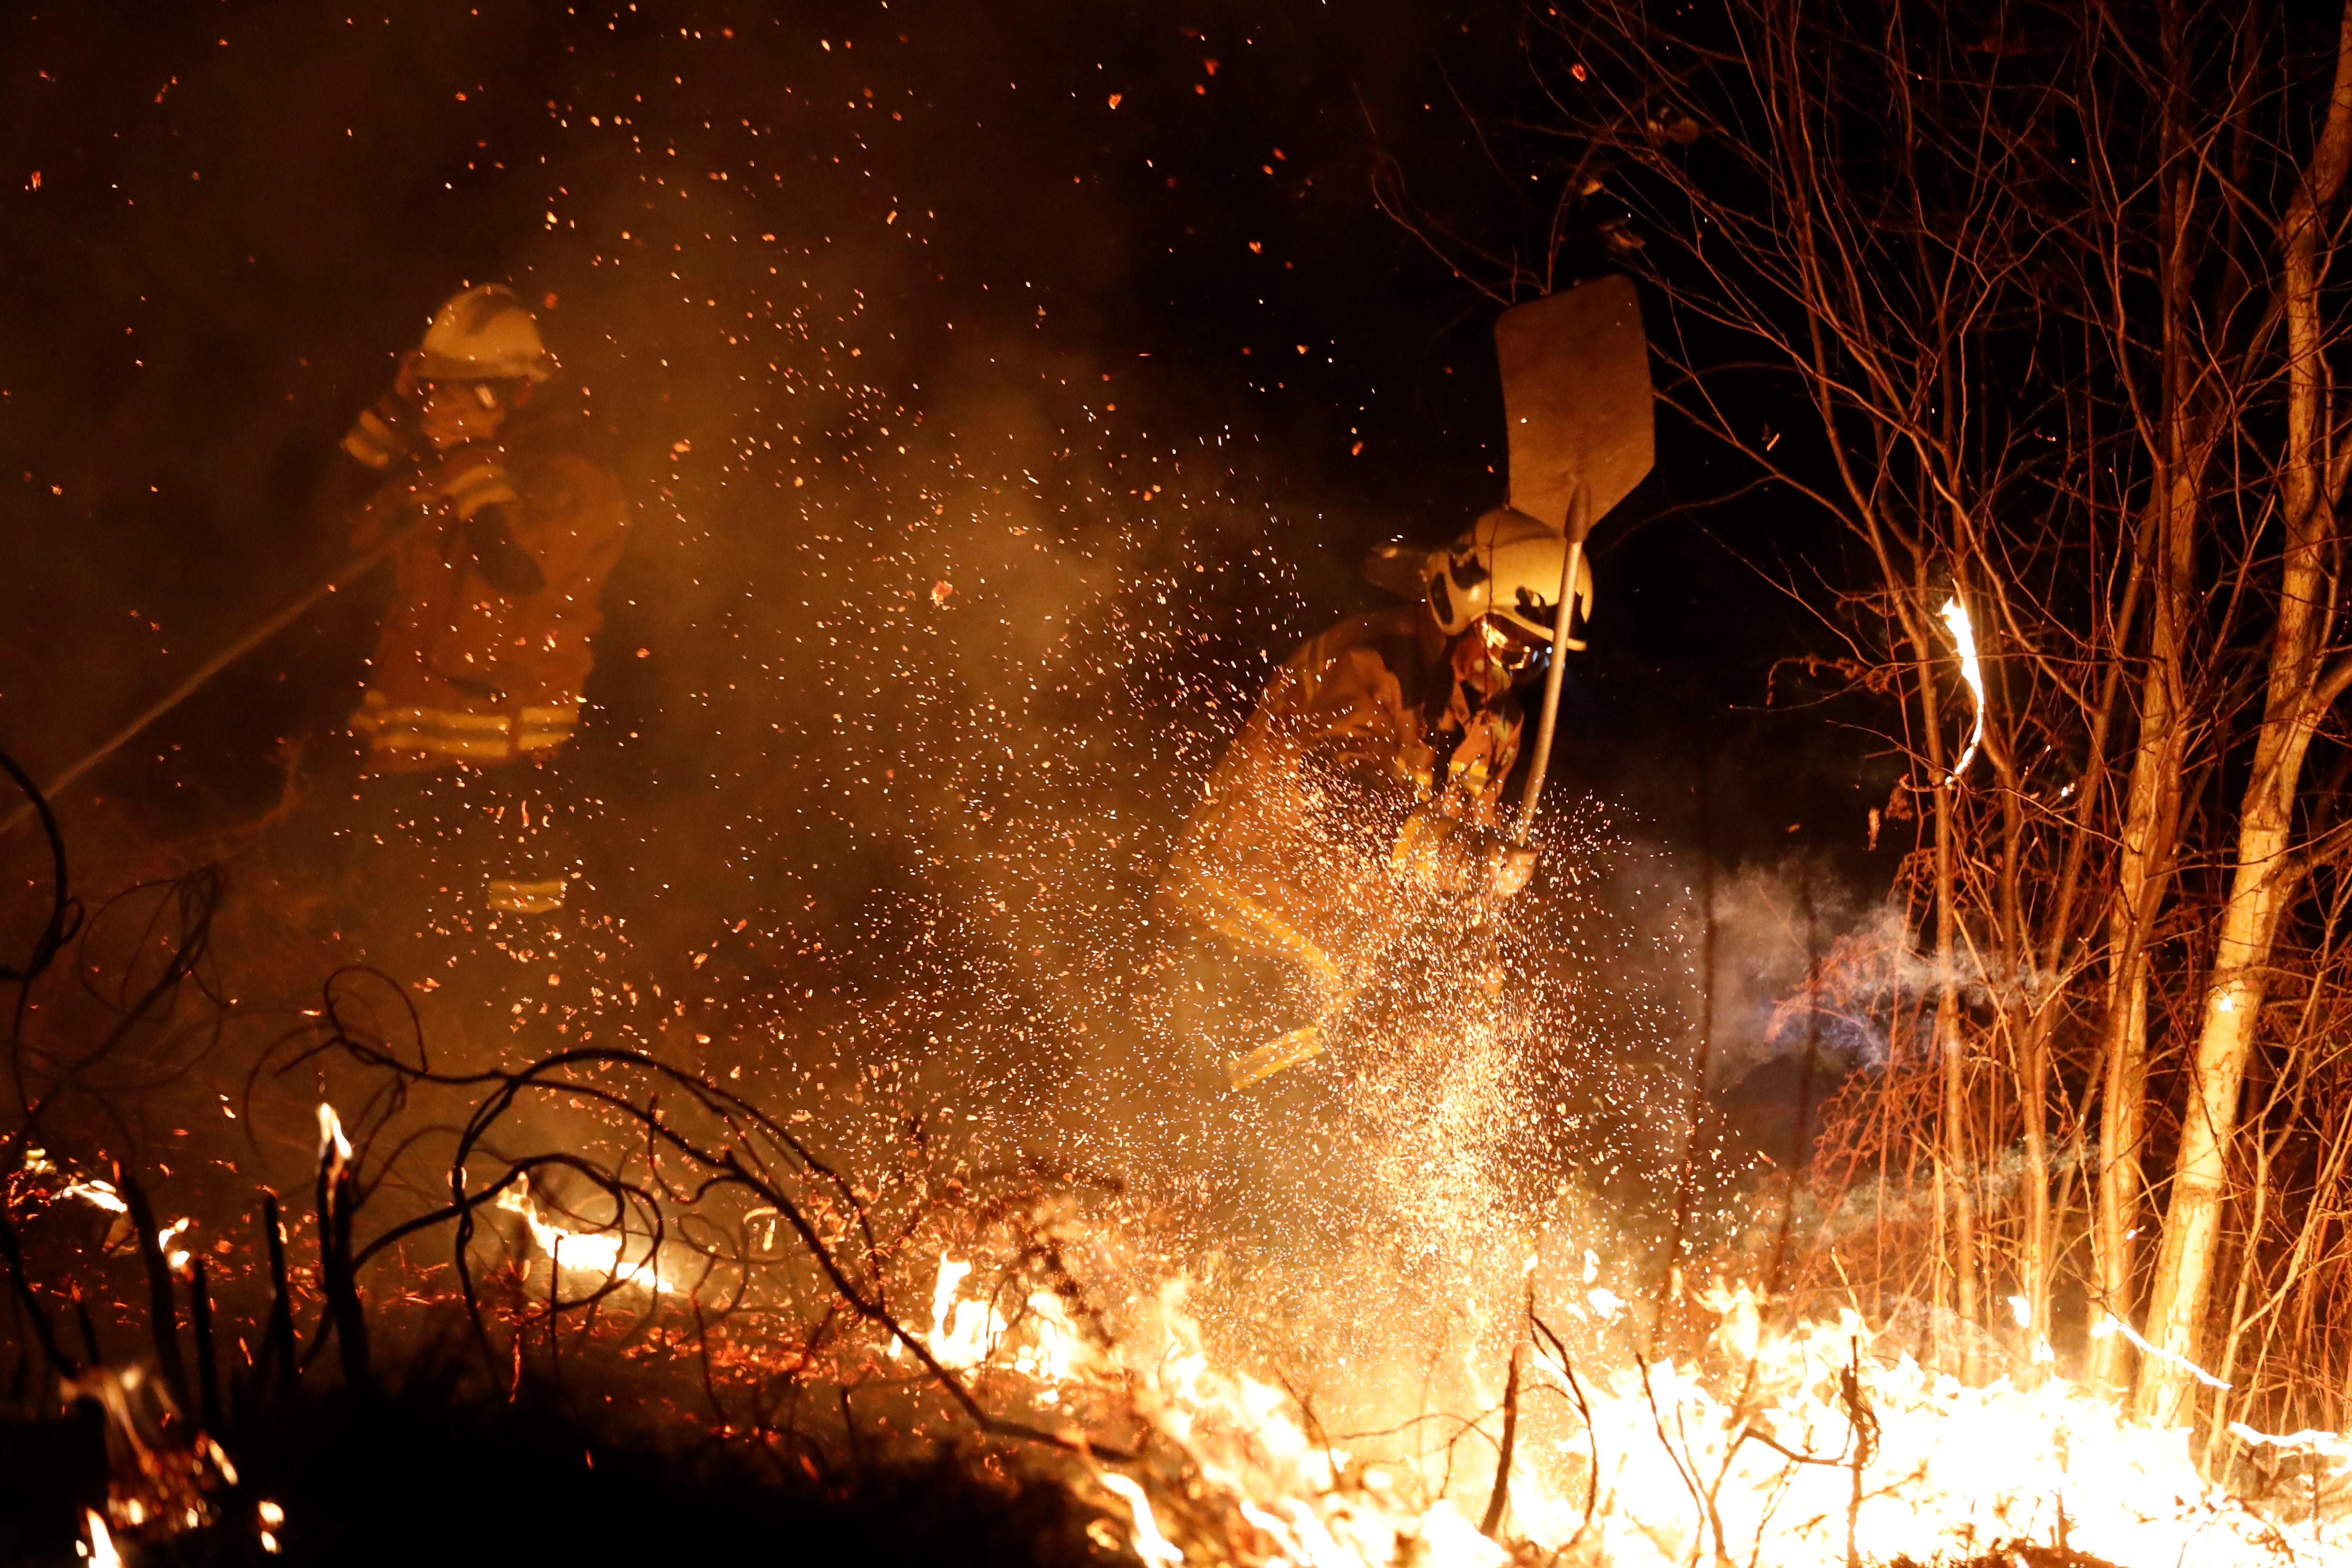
(1048,1347)
(97,1195)
(2332,1445)
(176,1257)
(960,1339)
(162,1474)
(1944,1469)
(1964,643)
(2111,1324)
(99,1545)
(1150,1545)
(334,1149)
(596,1256)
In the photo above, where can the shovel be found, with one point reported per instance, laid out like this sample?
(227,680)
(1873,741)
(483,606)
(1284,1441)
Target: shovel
(1577,399)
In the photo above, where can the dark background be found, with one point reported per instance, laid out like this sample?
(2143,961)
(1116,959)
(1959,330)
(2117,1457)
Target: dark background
(879,297)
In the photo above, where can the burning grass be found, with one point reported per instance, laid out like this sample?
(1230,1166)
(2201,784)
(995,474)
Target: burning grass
(992,1368)
(607,1306)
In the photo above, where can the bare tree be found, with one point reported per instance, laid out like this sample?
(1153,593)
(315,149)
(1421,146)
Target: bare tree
(2298,693)
(2034,303)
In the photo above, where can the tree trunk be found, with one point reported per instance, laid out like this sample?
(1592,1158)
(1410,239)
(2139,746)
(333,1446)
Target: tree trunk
(2233,1001)
(2143,876)
(2152,805)
(2121,1123)
(2266,876)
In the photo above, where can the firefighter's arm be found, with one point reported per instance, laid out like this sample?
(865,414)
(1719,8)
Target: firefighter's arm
(481,493)
(388,432)
(573,519)
(1349,721)
(1457,840)
(374,478)
(504,565)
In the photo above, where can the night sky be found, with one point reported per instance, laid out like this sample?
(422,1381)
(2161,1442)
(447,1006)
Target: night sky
(1087,312)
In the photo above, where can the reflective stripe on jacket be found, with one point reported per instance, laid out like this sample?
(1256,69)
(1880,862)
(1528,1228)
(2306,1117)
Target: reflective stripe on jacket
(492,736)
(474,476)
(377,436)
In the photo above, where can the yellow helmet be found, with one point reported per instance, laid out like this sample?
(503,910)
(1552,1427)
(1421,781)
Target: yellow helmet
(1509,566)
(484,334)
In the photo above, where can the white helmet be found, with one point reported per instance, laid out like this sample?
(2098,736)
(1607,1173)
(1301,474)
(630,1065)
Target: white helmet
(1509,566)
(484,334)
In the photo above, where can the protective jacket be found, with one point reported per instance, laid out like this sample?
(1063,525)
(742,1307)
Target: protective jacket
(488,641)
(1289,854)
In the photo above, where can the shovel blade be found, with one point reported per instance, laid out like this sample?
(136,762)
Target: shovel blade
(1575,391)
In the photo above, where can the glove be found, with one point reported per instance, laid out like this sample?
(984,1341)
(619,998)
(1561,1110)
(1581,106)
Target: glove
(1513,865)
(1445,855)
(503,564)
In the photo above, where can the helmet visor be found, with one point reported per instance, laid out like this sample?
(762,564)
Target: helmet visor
(1509,647)
(489,392)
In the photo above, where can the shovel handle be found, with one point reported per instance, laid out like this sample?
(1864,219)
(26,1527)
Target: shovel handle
(350,572)
(1578,523)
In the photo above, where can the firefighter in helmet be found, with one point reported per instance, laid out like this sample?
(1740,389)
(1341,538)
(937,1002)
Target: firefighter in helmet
(1362,795)
(508,523)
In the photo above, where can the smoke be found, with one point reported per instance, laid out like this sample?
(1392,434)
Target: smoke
(956,557)
(1773,925)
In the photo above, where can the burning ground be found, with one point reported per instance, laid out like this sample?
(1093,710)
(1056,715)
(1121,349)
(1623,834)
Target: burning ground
(622,1288)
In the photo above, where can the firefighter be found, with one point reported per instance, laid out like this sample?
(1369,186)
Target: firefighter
(507,526)
(1362,797)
